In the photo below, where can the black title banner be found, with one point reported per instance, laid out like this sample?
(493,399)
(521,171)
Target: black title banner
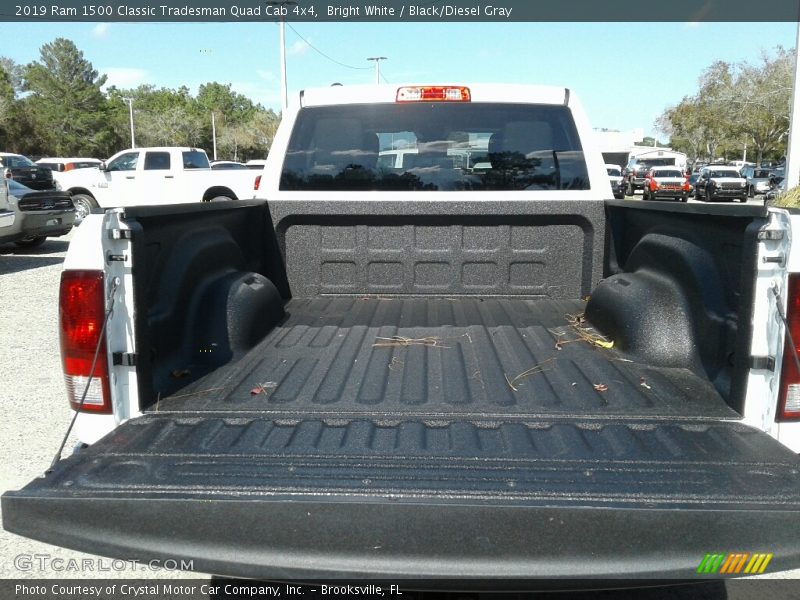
(496,11)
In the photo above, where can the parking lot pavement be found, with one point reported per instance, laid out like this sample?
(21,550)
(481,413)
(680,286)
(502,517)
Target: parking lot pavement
(36,412)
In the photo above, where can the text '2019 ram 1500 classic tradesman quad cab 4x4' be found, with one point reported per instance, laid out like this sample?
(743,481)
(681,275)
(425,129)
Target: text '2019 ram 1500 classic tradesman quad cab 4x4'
(483,369)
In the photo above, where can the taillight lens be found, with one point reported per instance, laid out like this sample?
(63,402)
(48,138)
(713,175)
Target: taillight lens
(69,166)
(789,399)
(81,315)
(257,184)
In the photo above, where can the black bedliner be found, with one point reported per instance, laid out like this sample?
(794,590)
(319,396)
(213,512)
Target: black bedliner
(444,358)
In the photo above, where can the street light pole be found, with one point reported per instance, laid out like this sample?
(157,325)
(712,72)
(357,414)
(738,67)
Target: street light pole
(214,133)
(130,112)
(377,60)
(284,90)
(282,27)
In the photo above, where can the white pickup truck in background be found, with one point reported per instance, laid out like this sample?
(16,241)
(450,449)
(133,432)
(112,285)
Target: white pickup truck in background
(164,175)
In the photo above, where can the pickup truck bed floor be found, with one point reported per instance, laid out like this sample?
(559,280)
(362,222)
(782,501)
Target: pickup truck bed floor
(390,358)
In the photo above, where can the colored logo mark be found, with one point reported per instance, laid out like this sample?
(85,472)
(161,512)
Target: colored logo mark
(734,563)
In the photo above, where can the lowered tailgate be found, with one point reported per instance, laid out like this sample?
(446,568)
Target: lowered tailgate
(253,496)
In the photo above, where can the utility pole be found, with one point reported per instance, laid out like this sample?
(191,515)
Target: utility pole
(793,148)
(377,60)
(130,112)
(282,4)
(214,133)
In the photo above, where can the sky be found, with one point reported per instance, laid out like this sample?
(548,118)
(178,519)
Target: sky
(626,74)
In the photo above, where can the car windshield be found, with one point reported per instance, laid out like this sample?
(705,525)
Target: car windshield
(725,173)
(613,171)
(14,162)
(447,147)
(761,174)
(675,173)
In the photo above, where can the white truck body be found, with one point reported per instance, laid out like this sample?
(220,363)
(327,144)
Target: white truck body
(159,175)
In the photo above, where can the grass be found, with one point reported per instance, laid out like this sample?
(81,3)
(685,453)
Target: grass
(789,199)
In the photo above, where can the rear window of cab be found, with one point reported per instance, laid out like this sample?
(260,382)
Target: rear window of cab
(434,146)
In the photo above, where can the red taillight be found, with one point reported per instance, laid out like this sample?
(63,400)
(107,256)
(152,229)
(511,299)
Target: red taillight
(433,93)
(69,166)
(81,315)
(789,399)
(257,184)
(686,185)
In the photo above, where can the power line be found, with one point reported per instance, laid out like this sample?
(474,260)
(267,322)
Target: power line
(321,53)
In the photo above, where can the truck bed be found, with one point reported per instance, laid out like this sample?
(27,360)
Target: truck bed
(393,358)
(315,373)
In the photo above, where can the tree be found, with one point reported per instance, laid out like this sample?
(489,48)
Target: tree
(162,116)
(15,125)
(66,101)
(761,101)
(251,139)
(13,72)
(735,104)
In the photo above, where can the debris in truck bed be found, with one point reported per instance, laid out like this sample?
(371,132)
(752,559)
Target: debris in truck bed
(398,340)
(538,368)
(263,388)
(584,332)
(644,384)
(601,387)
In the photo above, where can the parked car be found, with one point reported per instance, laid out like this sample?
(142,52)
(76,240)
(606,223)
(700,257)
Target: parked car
(777,186)
(720,183)
(37,214)
(757,180)
(666,182)
(617,181)
(27,172)
(638,167)
(227,164)
(7,214)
